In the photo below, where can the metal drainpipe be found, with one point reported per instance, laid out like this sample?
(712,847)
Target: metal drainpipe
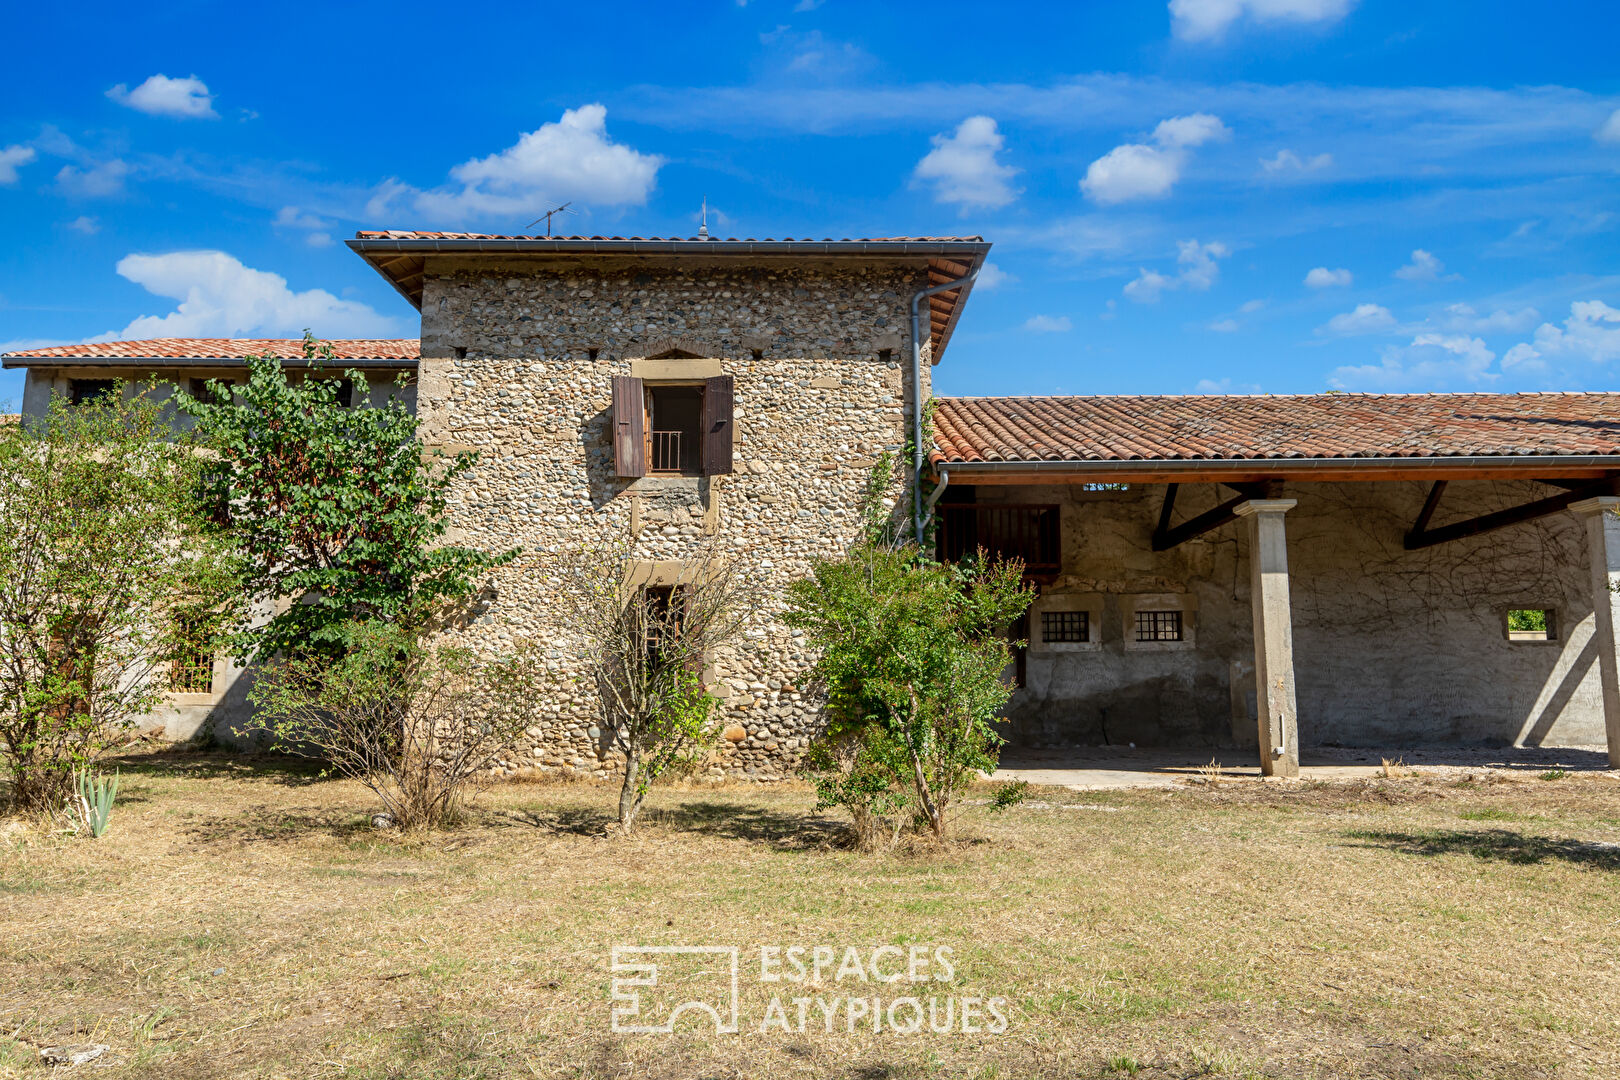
(919,452)
(933,497)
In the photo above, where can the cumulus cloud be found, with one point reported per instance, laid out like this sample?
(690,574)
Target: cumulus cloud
(1226,326)
(1198,271)
(1209,20)
(1251,306)
(992,276)
(1365,319)
(1144,171)
(1591,334)
(1287,161)
(84,224)
(963,166)
(312,226)
(1501,320)
(1047,324)
(572,159)
(1431,360)
(1323,278)
(13,157)
(187,99)
(220,297)
(1423,267)
(1610,131)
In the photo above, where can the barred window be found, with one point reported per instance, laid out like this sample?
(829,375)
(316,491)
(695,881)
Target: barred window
(1058,626)
(1158,626)
(192,669)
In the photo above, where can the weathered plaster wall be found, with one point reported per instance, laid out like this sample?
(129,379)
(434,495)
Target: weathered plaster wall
(820,359)
(1390,647)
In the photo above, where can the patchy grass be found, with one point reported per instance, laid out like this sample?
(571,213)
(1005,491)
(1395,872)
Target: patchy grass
(241,919)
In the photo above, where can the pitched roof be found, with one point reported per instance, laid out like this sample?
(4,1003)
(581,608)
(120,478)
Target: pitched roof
(1300,428)
(400,256)
(215,350)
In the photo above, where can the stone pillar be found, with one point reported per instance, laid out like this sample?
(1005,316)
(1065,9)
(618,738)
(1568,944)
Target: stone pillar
(1603,548)
(1273,635)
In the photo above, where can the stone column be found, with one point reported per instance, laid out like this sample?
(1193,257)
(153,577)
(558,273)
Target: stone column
(1603,548)
(1273,635)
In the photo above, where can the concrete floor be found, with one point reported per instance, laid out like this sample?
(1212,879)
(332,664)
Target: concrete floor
(1093,768)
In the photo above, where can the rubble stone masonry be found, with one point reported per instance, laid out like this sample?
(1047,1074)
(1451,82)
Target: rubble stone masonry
(518,365)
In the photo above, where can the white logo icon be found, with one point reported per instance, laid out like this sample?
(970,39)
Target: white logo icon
(637,982)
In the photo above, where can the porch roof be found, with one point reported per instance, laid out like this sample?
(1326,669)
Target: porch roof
(1321,436)
(211,352)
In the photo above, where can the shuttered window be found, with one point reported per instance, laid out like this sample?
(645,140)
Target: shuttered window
(672,429)
(629,426)
(717,425)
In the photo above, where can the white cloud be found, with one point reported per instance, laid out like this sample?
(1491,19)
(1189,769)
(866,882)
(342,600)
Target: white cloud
(1251,306)
(1209,20)
(98,181)
(963,166)
(1610,131)
(1431,360)
(1199,271)
(1140,171)
(220,297)
(1288,161)
(1224,386)
(992,276)
(11,158)
(1423,267)
(1048,324)
(1463,317)
(1365,319)
(569,160)
(1226,326)
(85,224)
(313,227)
(160,95)
(1591,334)
(1323,278)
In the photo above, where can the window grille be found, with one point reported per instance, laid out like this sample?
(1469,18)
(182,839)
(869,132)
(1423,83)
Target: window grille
(1060,626)
(1158,626)
(192,669)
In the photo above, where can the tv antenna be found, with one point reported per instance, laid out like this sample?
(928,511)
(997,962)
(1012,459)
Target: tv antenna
(547,216)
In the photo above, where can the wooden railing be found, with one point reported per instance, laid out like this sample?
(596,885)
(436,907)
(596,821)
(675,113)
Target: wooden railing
(1027,531)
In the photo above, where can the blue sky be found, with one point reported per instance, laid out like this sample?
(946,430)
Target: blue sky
(1193,196)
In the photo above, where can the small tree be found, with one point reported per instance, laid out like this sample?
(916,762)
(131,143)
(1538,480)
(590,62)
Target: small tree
(912,656)
(338,510)
(645,647)
(108,570)
(418,725)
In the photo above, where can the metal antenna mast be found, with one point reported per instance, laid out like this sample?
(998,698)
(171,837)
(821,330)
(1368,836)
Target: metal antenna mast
(547,216)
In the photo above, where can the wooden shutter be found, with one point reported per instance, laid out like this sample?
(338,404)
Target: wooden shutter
(629,427)
(717,425)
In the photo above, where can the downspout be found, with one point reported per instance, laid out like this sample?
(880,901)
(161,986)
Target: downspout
(919,452)
(933,497)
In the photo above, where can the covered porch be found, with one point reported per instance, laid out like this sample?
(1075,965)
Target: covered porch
(1275,574)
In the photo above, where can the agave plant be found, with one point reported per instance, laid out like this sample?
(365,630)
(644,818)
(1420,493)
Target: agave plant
(95,803)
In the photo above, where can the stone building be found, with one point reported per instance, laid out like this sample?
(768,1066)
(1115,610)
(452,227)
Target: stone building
(1260,571)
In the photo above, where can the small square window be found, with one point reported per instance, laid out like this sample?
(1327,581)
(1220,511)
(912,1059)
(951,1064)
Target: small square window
(84,391)
(192,669)
(1158,626)
(674,429)
(1098,487)
(1532,624)
(1065,626)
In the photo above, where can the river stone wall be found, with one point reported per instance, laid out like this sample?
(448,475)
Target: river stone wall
(518,365)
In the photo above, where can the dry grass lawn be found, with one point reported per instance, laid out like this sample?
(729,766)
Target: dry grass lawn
(242,919)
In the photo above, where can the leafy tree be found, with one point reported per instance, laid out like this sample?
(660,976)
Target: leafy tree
(911,658)
(645,649)
(417,724)
(339,512)
(108,568)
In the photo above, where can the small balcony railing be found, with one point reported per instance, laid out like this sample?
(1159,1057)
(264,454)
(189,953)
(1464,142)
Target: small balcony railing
(673,452)
(1027,531)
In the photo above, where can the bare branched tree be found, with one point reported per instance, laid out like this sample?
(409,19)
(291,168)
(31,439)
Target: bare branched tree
(646,644)
(419,725)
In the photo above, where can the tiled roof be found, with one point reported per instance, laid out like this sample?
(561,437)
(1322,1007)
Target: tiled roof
(1282,427)
(394,234)
(229,348)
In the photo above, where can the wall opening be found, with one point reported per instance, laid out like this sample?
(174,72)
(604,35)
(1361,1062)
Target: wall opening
(1532,624)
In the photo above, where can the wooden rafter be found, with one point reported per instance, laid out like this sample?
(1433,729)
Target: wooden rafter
(1167,536)
(1421,535)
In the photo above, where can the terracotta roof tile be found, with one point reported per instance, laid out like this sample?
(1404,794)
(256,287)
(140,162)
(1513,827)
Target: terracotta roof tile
(393,234)
(1316,426)
(229,349)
